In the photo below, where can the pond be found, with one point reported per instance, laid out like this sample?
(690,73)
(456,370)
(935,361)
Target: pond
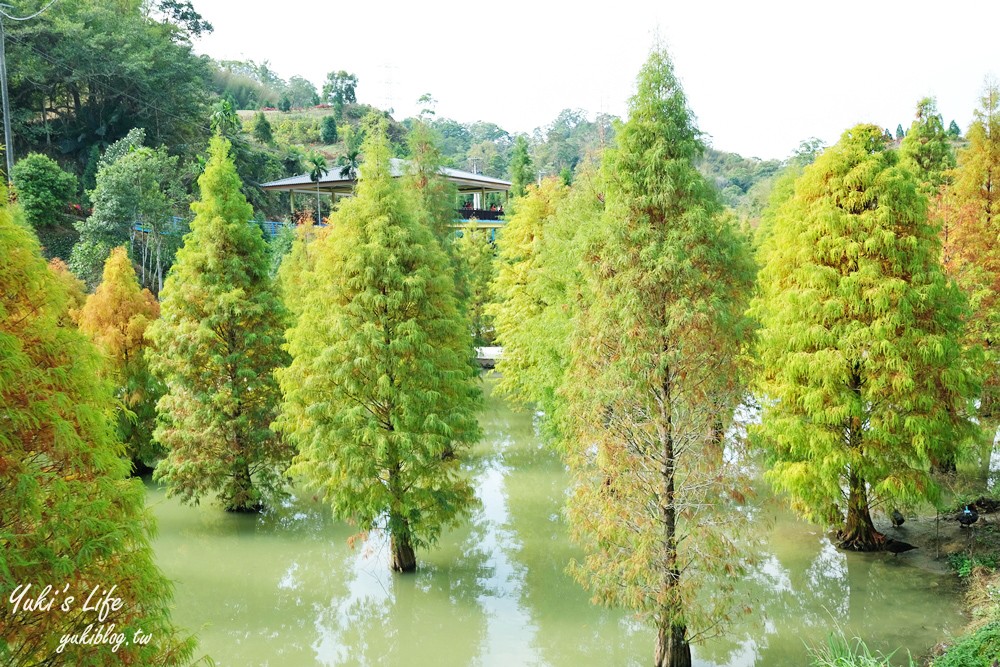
(285,588)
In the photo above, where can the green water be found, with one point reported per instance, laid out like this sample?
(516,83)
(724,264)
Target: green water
(285,589)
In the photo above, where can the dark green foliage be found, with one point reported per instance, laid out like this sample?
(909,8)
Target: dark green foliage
(217,344)
(570,138)
(262,129)
(477,261)
(301,93)
(68,514)
(963,563)
(224,120)
(135,184)
(979,649)
(953,130)
(285,103)
(58,241)
(43,189)
(85,72)
(328,130)
(339,88)
(522,174)
(182,14)
(736,176)
(900,133)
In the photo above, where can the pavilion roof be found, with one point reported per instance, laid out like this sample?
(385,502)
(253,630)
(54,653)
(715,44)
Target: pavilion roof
(333,182)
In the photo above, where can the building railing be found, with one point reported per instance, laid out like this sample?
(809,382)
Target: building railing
(479,214)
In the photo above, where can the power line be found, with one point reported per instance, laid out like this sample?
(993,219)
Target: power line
(25,18)
(4,97)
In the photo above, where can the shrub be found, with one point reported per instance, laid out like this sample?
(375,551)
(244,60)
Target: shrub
(43,189)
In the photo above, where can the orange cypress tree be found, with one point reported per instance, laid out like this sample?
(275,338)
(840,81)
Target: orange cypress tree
(971,230)
(69,517)
(116,317)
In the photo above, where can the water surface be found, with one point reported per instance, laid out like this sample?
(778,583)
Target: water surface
(286,589)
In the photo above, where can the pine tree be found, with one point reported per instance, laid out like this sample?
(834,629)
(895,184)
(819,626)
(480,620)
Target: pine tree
(860,364)
(380,396)
(217,344)
(521,172)
(116,317)
(971,228)
(900,134)
(953,130)
(652,380)
(69,517)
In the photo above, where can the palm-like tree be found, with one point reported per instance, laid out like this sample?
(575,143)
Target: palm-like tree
(349,161)
(317,169)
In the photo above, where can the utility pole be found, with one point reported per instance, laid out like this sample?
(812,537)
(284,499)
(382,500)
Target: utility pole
(8,147)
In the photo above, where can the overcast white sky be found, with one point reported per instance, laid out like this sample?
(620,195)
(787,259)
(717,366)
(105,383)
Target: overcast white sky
(760,76)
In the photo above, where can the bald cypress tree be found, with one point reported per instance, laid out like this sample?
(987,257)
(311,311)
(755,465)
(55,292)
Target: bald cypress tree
(861,369)
(652,380)
(970,218)
(380,396)
(69,516)
(217,344)
(926,149)
(116,317)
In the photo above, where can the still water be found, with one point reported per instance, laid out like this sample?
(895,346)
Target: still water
(284,589)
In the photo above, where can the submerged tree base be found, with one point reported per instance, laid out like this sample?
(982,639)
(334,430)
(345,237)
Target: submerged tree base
(862,540)
(672,648)
(403,557)
(256,508)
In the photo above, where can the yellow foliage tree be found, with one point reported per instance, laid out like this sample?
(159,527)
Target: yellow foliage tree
(116,317)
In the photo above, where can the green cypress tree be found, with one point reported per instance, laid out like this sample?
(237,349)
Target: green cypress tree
(652,379)
(217,344)
(380,396)
(953,130)
(860,365)
(328,130)
(900,134)
(926,149)
(539,288)
(477,255)
(521,172)
(69,517)
(262,130)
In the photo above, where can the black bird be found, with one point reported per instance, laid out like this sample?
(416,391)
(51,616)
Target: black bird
(896,547)
(968,516)
(897,518)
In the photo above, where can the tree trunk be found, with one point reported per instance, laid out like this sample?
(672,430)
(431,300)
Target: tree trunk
(859,533)
(159,268)
(403,557)
(242,496)
(672,647)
